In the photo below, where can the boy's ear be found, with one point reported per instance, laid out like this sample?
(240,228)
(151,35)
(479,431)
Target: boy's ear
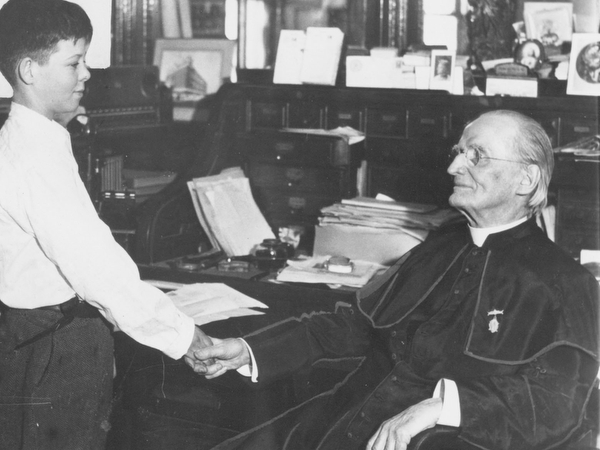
(25,70)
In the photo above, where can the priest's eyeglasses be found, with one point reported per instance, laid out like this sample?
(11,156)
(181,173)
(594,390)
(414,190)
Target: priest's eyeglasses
(473,155)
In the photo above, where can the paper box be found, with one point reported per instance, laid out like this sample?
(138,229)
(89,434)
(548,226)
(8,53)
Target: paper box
(362,243)
(376,72)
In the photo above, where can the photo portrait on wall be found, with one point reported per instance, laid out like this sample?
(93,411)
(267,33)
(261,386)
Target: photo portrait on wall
(442,69)
(584,65)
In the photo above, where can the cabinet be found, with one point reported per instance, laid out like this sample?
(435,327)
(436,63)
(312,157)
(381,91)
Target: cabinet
(577,186)
(408,135)
(294,175)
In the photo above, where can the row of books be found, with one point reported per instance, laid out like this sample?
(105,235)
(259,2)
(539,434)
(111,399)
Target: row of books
(142,183)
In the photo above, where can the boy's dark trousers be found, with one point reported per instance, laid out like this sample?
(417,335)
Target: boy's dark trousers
(55,392)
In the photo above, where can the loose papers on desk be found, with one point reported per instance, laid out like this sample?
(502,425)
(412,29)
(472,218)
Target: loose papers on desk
(228,213)
(209,302)
(313,270)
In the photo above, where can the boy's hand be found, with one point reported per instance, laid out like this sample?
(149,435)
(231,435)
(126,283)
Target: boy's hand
(223,355)
(199,341)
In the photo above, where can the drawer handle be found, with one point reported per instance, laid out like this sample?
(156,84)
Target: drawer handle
(294,176)
(297,205)
(581,129)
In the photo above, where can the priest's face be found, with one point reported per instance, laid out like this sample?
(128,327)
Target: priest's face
(487,173)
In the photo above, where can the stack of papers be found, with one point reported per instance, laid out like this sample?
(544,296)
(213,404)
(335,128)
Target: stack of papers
(414,219)
(209,302)
(313,270)
(228,213)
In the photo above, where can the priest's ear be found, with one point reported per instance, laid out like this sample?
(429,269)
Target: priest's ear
(530,178)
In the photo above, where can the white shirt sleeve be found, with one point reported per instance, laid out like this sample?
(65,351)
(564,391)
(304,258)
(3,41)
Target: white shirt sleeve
(54,238)
(249,370)
(448,391)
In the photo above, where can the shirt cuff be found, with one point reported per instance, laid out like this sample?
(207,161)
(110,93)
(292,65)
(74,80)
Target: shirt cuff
(448,391)
(249,370)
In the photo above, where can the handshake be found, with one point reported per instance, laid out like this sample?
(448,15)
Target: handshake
(213,357)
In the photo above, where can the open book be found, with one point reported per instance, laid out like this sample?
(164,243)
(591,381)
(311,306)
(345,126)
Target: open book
(310,57)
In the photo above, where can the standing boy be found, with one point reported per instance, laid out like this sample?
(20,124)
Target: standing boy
(63,278)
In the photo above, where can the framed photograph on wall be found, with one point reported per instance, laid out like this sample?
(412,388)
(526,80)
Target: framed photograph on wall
(442,70)
(193,68)
(551,23)
(584,65)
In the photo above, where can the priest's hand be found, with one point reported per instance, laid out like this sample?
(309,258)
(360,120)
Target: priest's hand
(223,355)
(396,432)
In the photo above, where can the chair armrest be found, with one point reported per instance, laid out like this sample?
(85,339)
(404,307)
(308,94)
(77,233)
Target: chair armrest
(440,437)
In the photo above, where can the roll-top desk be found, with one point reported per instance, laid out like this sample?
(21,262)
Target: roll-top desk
(408,134)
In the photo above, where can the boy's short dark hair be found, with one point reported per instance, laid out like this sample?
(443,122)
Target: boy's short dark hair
(33,28)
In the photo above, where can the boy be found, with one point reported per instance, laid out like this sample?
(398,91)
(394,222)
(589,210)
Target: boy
(63,279)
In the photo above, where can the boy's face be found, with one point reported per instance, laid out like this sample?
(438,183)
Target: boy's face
(59,84)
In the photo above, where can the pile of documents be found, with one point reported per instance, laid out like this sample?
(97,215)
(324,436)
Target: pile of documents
(228,213)
(314,270)
(415,219)
(378,230)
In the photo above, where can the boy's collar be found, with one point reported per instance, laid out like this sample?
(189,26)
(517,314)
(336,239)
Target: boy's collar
(22,109)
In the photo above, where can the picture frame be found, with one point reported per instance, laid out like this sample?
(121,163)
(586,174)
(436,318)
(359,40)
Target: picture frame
(551,23)
(208,18)
(210,62)
(584,65)
(442,70)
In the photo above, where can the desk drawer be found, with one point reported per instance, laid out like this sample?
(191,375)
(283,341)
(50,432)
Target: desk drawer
(297,178)
(579,216)
(391,123)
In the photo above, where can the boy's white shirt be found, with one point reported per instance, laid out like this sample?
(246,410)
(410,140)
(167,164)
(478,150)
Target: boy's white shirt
(54,245)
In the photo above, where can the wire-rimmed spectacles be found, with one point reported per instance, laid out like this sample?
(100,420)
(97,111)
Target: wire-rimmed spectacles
(473,155)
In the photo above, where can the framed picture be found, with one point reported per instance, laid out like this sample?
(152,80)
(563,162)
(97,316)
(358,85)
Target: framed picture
(208,18)
(193,68)
(551,23)
(442,70)
(584,65)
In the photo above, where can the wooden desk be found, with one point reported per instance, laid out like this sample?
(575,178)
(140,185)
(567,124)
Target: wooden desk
(162,404)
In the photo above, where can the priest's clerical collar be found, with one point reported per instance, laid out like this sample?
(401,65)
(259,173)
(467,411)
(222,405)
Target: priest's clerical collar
(479,235)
